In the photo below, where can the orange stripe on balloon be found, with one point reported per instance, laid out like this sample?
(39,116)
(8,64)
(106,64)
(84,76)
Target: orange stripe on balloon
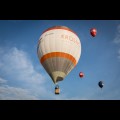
(58,54)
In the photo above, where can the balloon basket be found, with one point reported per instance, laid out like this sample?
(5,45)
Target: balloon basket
(57,91)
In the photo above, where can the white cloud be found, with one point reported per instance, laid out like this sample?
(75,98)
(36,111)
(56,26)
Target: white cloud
(2,81)
(119,53)
(118,28)
(13,93)
(16,62)
(17,68)
(22,80)
(117,38)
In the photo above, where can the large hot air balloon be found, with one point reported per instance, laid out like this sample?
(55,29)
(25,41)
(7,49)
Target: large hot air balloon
(59,50)
(93,32)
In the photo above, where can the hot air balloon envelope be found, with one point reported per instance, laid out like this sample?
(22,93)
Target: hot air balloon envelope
(59,50)
(93,32)
(101,84)
(81,74)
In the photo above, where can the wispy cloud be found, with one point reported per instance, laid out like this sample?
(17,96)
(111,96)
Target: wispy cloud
(2,81)
(119,54)
(16,68)
(16,64)
(14,93)
(117,38)
(21,80)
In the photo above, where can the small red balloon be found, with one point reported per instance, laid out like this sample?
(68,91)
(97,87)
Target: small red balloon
(93,32)
(81,74)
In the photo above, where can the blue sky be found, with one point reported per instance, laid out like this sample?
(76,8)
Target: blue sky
(22,77)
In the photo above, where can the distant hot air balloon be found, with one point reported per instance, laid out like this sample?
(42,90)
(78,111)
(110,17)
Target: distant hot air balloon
(93,32)
(59,50)
(81,74)
(101,84)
